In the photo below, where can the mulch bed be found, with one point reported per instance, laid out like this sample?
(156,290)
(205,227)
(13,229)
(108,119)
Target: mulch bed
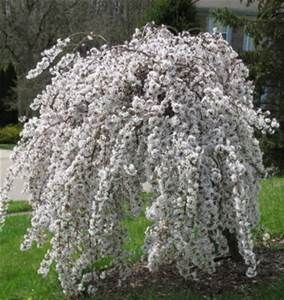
(230,276)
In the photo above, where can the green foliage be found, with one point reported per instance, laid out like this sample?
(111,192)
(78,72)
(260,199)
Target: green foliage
(178,14)
(272,147)
(267,31)
(8,82)
(10,134)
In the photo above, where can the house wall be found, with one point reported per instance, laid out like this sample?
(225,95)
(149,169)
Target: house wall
(236,36)
(235,5)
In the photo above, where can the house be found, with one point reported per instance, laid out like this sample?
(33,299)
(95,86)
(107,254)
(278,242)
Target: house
(238,39)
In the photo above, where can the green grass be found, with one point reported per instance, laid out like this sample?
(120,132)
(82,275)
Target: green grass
(19,279)
(272,205)
(136,228)
(18,206)
(18,270)
(7,146)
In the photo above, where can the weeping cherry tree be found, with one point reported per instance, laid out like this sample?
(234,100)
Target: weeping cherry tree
(173,110)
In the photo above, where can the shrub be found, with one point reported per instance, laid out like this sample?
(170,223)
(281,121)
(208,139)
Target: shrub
(10,134)
(175,110)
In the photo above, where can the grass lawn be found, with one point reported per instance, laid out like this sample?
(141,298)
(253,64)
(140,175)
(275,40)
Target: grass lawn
(18,270)
(18,206)
(272,205)
(7,146)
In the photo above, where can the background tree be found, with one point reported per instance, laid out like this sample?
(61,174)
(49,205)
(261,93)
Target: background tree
(179,14)
(27,27)
(266,64)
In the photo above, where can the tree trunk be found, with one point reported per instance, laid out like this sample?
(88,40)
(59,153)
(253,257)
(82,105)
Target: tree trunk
(233,246)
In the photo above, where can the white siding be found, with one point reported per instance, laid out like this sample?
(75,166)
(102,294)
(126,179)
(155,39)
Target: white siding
(231,4)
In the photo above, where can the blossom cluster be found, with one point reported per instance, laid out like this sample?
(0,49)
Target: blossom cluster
(48,56)
(173,110)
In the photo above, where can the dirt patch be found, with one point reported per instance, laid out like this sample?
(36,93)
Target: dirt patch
(230,276)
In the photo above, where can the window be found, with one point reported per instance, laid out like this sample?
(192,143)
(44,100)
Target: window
(226,31)
(248,44)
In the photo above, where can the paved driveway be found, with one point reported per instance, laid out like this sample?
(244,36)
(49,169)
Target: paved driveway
(16,192)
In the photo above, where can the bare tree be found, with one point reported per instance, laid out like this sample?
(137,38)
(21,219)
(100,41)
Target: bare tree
(27,27)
